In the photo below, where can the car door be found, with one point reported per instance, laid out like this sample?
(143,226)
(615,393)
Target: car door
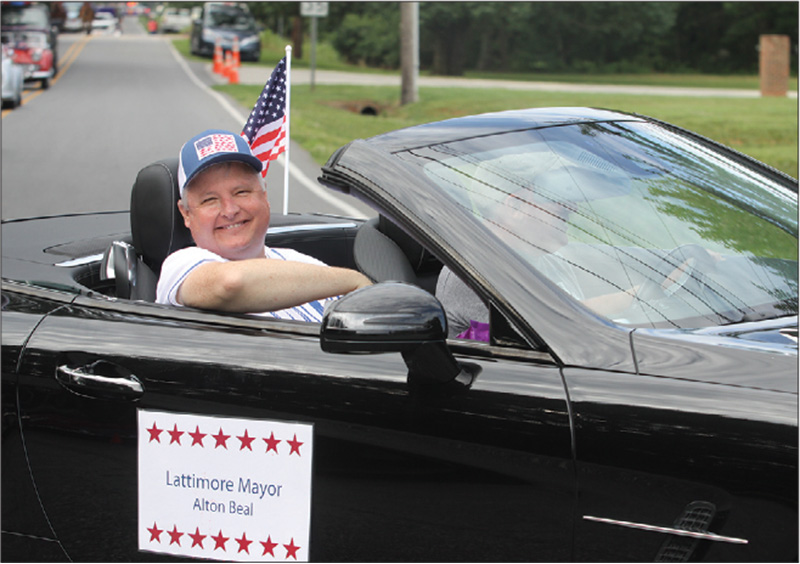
(688,461)
(26,532)
(479,472)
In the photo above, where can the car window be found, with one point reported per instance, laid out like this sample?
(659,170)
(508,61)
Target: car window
(611,208)
(31,16)
(22,39)
(230,17)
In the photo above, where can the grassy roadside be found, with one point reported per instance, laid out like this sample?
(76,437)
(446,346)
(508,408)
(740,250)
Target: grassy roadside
(764,128)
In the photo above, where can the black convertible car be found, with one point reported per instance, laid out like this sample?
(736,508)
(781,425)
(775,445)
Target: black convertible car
(607,370)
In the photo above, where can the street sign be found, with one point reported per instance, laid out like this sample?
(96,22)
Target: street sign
(314,9)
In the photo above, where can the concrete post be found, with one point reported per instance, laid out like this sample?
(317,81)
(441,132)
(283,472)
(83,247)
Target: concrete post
(774,65)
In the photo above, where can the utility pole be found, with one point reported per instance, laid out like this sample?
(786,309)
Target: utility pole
(409,51)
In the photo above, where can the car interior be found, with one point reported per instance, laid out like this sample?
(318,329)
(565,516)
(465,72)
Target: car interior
(377,247)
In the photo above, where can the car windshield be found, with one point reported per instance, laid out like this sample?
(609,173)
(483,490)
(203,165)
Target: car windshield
(29,16)
(230,17)
(25,39)
(677,233)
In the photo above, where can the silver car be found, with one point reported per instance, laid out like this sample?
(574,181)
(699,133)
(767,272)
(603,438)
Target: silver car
(12,80)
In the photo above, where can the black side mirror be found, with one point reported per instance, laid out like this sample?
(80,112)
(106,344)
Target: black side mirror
(393,317)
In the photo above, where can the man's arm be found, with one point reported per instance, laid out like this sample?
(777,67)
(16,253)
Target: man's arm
(257,285)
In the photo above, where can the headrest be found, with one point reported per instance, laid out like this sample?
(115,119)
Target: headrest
(421,260)
(379,257)
(157,226)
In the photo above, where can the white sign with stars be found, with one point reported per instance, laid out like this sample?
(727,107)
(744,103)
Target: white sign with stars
(224,488)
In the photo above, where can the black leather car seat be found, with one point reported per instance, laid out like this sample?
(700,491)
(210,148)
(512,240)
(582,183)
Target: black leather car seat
(157,229)
(384,252)
(157,226)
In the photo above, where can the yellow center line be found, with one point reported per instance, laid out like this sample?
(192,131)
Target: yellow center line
(69,57)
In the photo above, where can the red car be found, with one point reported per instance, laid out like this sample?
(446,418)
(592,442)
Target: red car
(26,28)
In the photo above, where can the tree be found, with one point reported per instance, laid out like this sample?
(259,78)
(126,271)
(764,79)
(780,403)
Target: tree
(554,36)
(369,34)
(443,30)
(747,21)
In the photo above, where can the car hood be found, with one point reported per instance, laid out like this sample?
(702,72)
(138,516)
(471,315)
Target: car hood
(225,33)
(776,335)
(761,354)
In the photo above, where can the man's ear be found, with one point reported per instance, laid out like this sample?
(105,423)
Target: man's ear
(184,213)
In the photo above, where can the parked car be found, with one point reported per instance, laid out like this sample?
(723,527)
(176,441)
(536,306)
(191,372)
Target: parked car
(105,21)
(663,429)
(72,21)
(224,21)
(175,20)
(27,29)
(12,79)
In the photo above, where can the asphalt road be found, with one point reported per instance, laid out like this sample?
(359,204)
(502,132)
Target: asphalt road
(117,104)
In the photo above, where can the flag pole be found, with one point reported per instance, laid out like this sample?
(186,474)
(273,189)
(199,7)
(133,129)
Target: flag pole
(288,139)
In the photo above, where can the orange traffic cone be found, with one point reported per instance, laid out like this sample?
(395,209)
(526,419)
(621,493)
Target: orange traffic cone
(236,59)
(226,68)
(218,56)
(233,75)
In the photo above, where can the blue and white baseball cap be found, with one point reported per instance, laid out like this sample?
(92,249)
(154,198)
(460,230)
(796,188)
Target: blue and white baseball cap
(211,147)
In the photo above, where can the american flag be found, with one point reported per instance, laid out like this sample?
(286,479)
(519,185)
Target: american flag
(265,129)
(215,143)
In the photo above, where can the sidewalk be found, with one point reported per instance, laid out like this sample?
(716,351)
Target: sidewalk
(258,75)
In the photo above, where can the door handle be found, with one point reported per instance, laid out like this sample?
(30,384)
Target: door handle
(100,379)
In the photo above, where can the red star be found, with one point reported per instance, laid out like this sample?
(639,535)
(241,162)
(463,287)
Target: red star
(154,433)
(244,544)
(175,435)
(291,549)
(272,443)
(219,541)
(197,436)
(221,438)
(268,546)
(197,538)
(155,533)
(295,445)
(174,536)
(246,441)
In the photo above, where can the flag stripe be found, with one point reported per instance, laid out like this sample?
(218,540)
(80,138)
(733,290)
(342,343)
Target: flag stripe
(266,136)
(267,125)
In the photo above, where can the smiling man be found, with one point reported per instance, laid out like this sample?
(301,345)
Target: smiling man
(223,201)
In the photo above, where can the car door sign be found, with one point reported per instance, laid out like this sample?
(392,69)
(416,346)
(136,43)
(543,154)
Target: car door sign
(224,488)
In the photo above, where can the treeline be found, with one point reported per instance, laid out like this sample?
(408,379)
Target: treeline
(708,37)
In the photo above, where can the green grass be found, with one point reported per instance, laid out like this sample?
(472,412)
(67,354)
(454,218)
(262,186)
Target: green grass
(765,128)
(749,82)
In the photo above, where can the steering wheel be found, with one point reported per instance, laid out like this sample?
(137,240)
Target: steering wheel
(685,263)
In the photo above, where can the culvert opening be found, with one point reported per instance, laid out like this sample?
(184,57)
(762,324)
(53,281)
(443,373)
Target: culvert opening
(361,107)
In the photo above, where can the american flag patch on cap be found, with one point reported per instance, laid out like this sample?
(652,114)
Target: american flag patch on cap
(215,143)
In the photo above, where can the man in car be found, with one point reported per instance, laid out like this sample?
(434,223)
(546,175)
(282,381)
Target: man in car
(546,222)
(224,204)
